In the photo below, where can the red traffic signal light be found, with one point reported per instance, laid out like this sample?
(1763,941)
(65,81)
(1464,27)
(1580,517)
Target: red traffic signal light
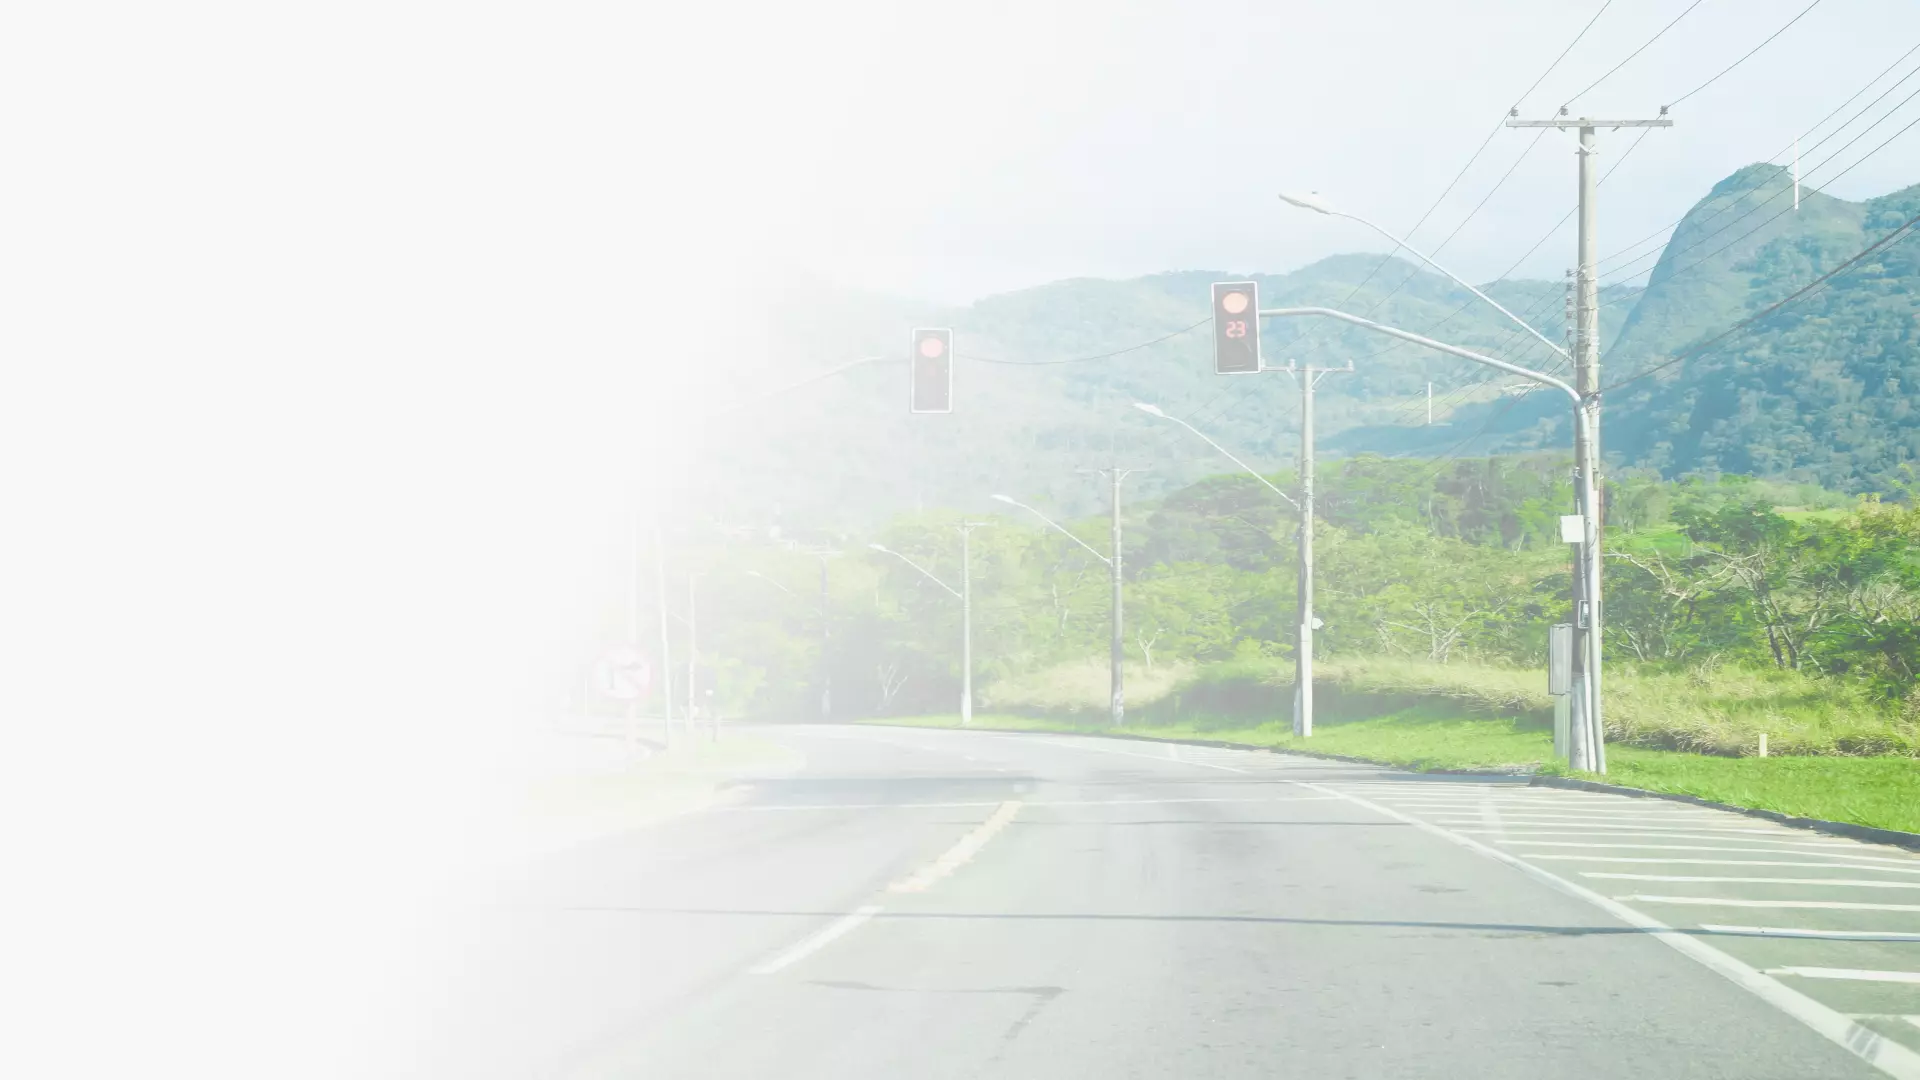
(1236,327)
(930,389)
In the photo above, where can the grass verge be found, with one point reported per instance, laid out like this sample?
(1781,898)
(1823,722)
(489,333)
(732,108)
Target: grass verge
(572,806)
(1882,792)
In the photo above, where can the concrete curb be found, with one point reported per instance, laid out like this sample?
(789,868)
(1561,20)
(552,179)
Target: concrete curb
(1894,837)
(1221,744)
(1867,833)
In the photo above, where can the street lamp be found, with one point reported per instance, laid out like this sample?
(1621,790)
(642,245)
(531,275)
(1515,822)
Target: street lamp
(1312,201)
(965,595)
(1116,651)
(826,669)
(1154,410)
(1303,650)
(1586,450)
(1589,749)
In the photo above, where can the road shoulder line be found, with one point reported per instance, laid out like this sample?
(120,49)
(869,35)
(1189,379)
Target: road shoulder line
(1877,1050)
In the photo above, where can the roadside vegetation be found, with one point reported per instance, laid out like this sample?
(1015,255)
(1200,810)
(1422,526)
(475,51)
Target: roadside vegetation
(1736,608)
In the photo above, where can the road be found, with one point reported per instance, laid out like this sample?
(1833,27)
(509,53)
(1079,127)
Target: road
(929,903)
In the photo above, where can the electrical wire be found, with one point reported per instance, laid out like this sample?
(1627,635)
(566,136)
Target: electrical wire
(1313,335)
(1622,270)
(1544,237)
(1701,349)
(1634,53)
(1087,359)
(1817,125)
(1748,55)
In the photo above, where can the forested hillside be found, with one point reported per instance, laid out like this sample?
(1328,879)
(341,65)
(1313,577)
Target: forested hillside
(1818,391)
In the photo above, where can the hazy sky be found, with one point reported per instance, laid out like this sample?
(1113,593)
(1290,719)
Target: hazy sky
(350,345)
(978,147)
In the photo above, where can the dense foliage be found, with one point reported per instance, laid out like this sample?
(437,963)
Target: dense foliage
(1449,563)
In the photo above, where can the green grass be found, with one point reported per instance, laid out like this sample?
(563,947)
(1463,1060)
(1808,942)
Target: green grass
(1719,710)
(1883,792)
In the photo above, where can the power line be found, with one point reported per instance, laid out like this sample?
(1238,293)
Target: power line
(1087,359)
(1817,125)
(1704,347)
(1748,55)
(1634,53)
(1544,237)
(1451,184)
(1757,207)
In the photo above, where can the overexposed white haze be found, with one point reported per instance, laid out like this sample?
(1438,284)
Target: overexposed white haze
(343,340)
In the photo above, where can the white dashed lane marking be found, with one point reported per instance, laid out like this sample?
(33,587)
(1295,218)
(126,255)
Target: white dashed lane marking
(1726,901)
(1797,932)
(1855,974)
(1852,883)
(1856,864)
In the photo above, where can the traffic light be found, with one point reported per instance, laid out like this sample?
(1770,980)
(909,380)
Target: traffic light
(1236,327)
(931,390)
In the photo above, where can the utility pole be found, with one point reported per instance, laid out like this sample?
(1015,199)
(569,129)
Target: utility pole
(1303,648)
(1117,710)
(1117,649)
(966,620)
(666,656)
(1590,745)
(633,628)
(826,635)
(692,657)
(1429,403)
(826,659)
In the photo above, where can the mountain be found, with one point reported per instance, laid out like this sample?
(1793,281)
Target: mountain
(1025,425)
(1818,392)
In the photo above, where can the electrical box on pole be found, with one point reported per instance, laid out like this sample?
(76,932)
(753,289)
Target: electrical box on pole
(1236,328)
(931,361)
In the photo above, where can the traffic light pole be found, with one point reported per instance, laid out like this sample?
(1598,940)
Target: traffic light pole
(1584,486)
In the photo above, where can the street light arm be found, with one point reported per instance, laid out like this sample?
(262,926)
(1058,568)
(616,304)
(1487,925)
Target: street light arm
(1061,528)
(1250,471)
(1407,335)
(1316,204)
(922,569)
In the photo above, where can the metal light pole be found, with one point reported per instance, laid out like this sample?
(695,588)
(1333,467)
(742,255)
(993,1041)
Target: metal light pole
(1587,754)
(1585,362)
(692,657)
(826,675)
(1117,707)
(964,594)
(1303,650)
(666,656)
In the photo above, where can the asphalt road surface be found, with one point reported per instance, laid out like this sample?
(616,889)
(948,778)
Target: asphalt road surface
(927,903)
